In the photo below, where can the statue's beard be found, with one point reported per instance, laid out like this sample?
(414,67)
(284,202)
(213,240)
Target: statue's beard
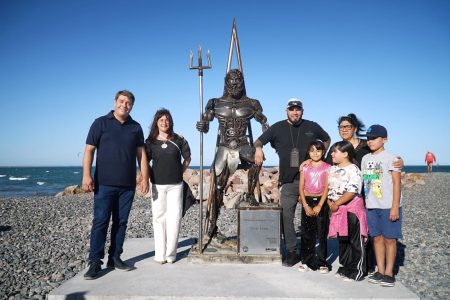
(235,91)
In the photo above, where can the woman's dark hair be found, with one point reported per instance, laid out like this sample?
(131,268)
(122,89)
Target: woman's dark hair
(345,146)
(318,144)
(357,123)
(154,131)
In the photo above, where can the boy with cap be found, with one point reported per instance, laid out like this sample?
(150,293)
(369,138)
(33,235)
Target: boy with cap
(382,188)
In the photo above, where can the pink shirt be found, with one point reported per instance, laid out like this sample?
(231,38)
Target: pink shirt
(315,178)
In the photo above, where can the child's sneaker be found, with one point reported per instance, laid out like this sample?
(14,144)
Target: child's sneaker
(388,281)
(324,270)
(303,268)
(348,279)
(375,278)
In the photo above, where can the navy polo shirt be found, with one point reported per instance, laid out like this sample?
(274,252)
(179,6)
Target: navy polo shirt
(116,145)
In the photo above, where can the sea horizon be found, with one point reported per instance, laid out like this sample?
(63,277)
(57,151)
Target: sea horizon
(50,180)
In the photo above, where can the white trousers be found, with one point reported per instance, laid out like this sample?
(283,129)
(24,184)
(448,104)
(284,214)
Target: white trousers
(167,206)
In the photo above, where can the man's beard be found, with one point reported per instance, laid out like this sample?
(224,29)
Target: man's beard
(295,123)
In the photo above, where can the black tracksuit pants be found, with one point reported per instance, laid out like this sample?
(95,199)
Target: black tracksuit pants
(352,254)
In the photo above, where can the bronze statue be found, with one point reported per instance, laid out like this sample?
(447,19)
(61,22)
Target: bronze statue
(234,111)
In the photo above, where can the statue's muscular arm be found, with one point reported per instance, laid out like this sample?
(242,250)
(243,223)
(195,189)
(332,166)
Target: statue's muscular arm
(208,116)
(259,116)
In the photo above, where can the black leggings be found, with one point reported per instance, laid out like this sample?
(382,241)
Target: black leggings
(314,228)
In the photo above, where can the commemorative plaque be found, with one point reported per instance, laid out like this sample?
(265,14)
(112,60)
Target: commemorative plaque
(259,231)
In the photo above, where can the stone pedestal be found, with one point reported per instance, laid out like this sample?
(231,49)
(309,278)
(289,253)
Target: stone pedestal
(258,240)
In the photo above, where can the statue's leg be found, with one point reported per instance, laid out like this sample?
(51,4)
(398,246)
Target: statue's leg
(220,183)
(253,176)
(247,154)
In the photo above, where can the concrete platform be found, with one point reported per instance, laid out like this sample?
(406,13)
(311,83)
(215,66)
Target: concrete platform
(183,280)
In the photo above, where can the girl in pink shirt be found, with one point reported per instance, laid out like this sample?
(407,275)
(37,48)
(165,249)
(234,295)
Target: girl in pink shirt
(313,190)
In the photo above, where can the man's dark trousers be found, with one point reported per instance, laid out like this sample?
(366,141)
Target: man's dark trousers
(115,201)
(288,201)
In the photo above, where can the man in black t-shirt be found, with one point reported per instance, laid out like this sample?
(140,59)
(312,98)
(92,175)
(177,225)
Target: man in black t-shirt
(290,138)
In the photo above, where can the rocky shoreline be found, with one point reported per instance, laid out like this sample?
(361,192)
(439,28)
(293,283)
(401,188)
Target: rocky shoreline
(44,240)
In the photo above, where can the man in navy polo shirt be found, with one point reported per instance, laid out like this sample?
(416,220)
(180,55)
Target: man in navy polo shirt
(119,141)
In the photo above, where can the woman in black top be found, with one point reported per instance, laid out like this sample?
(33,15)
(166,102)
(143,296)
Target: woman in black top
(350,130)
(169,156)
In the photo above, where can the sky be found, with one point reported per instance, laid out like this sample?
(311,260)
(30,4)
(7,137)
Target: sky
(61,63)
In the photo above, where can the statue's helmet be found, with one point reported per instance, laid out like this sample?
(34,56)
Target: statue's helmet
(234,84)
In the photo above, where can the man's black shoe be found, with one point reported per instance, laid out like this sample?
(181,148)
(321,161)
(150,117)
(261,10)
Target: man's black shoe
(117,263)
(92,272)
(291,259)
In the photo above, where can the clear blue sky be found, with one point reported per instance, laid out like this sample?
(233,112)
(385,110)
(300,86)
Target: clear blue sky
(61,63)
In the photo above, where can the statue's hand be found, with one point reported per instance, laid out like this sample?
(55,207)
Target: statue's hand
(202,126)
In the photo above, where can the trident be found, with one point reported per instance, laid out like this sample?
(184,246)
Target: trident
(200,69)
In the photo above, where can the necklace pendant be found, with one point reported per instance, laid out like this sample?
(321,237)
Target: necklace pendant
(164,146)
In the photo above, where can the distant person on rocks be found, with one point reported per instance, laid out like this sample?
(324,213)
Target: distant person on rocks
(313,195)
(169,155)
(290,138)
(382,187)
(119,141)
(430,159)
(348,222)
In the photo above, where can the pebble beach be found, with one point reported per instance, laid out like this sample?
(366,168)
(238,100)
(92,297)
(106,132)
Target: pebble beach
(44,241)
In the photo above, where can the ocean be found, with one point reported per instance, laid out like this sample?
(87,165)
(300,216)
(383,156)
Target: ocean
(48,181)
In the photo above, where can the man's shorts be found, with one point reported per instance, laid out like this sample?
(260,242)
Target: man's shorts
(379,223)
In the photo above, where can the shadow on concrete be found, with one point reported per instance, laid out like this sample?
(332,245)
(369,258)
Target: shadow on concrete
(5,228)
(76,296)
(400,259)
(186,243)
(182,254)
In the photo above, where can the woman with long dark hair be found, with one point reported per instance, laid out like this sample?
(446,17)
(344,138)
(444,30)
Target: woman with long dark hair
(169,156)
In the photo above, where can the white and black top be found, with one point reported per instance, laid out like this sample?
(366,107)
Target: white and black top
(165,159)
(343,179)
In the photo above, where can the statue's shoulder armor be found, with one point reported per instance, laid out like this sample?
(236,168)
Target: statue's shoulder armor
(211,103)
(255,103)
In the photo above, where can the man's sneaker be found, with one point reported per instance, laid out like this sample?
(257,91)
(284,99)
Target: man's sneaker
(117,263)
(375,278)
(388,281)
(324,270)
(92,272)
(291,259)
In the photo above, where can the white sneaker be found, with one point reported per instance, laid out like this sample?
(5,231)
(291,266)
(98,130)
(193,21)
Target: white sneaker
(161,262)
(171,261)
(303,268)
(324,270)
(348,279)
